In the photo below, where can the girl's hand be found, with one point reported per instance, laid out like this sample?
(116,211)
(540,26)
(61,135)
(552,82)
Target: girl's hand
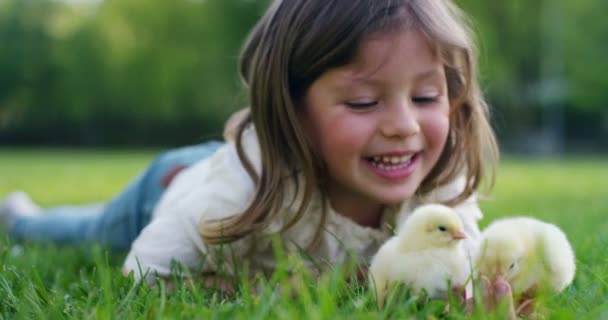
(209,280)
(499,291)
(525,305)
(215,281)
(358,273)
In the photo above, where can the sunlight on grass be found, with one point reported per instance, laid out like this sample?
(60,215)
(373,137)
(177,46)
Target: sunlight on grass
(45,281)
(68,176)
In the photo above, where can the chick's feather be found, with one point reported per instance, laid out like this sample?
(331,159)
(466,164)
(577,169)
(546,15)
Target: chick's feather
(425,254)
(528,253)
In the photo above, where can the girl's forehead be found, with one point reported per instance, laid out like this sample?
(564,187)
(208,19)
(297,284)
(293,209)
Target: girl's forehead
(378,52)
(394,44)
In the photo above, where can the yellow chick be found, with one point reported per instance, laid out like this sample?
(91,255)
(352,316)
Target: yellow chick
(426,252)
(527,253)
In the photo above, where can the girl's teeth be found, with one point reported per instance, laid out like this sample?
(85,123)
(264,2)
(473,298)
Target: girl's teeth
(390,162)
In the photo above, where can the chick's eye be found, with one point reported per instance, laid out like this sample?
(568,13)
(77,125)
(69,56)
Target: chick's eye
(361,105)
(512,266)
(442,228)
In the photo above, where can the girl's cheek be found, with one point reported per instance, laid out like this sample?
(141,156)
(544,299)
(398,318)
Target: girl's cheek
(436,127)
(349,126)
(348,135)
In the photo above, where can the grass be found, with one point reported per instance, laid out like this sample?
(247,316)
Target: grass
(46,281)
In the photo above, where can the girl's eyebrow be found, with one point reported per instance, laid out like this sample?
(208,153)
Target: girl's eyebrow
(428,75)
(348,79)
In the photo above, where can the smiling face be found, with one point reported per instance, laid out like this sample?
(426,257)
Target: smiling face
(381,122)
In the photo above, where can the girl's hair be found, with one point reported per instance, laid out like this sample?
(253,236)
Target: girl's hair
(293,44)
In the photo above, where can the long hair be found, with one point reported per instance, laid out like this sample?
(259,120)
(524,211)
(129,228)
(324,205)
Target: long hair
(292,45)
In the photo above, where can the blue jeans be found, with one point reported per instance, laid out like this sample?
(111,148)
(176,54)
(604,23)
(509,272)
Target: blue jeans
(117,223)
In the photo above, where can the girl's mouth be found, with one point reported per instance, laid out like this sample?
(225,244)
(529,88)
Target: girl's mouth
(391,163)
(393,167)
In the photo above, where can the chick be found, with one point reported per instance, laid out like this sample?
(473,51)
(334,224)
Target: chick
(425,254)
(527,253)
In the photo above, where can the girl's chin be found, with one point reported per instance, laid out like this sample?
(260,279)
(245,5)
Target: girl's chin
(392,198)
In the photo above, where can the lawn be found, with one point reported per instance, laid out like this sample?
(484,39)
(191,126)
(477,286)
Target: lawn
(45,281)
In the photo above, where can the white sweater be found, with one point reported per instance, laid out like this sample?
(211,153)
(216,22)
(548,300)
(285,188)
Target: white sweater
(219,187)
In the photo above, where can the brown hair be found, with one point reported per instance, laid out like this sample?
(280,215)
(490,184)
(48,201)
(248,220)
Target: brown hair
(293,44)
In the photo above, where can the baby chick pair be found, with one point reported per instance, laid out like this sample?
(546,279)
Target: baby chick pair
(427,253)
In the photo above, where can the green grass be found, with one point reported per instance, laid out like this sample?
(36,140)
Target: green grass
(45,281)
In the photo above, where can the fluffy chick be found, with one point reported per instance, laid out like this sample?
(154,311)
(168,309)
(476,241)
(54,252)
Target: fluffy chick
(527,253)
(426,252)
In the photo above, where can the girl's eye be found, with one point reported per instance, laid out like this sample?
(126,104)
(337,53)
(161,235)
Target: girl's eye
(361,105)
(425,99)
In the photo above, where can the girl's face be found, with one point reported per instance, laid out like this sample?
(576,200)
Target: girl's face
(381,122)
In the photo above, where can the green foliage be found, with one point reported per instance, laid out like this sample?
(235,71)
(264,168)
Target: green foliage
(542,67)
(586,47)
(167,70)
(46,281)
(26,68)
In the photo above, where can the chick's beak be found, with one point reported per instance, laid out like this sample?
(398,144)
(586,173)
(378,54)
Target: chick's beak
(458,235)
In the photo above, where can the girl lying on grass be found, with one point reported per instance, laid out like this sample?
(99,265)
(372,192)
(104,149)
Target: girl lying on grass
(359,111)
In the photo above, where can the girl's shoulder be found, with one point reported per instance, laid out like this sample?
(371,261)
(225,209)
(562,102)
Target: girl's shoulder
(216,186)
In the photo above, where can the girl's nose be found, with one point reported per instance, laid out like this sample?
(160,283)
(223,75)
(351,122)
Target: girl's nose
(400,120)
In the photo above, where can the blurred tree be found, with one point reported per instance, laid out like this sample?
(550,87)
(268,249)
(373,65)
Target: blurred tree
(27,71)
(165,72)
(510,40)
(586,35)
(530,50)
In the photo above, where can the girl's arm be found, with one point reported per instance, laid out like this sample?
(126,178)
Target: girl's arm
(211,189)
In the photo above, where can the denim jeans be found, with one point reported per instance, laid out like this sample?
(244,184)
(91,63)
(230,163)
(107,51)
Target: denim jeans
(117,223)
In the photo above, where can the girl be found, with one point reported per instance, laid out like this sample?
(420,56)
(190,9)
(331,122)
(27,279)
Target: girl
(359,112)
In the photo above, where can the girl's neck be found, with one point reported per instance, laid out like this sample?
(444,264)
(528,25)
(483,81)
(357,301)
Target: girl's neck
(362,211)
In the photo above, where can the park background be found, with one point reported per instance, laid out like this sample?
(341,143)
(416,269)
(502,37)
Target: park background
(164,73)
(91,91)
